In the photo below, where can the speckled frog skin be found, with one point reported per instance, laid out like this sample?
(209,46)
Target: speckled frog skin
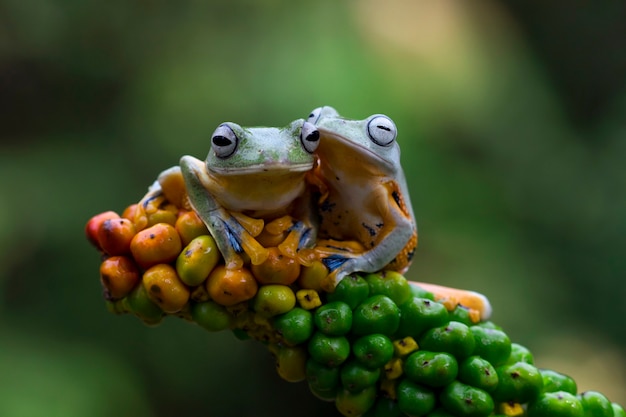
(364,196)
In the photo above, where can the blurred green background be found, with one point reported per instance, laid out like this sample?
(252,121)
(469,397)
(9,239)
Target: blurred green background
(512,123)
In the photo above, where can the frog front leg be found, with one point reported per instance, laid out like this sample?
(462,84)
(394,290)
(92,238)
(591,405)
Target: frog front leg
(398,235)
(230,236)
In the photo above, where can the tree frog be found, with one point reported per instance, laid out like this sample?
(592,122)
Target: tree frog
(364,195)
(366,218)
(251,175)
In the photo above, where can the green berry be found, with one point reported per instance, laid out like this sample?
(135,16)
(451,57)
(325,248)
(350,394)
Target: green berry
(489,325)
(554,381)
(373,350)
(211,316)
(329,350)
(377,314)
(321,377)
(328,395)
(414,399)
(384,407)
(419,315)
(294,326)
(142,306)
(352,290)
(241,334)
(433,369)
(352,404)
(197,260)
(454,338)
(461,314)
(520,353)
(519,382)
(464,400)
(556,404)
(334,318)
(355,376)
(618,411)
(595,404)
(491,344)
(439,412)
(389,283)
(420,292)
(479,373)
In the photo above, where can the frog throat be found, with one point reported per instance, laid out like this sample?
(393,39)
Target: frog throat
(375,160)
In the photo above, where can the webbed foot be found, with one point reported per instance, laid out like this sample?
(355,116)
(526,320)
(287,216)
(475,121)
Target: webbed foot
(231,237)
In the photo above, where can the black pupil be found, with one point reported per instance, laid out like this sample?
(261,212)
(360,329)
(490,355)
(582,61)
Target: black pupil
(387,128)
(220,140)
(313,136)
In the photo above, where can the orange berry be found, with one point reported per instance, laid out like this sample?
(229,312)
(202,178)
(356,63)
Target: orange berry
(115,235)
(130,212)
(118,275)
(277,269)
(231,286)
(92,226)
(189,226)
(157,244)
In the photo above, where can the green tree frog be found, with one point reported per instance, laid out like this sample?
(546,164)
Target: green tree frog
(251,175)
(364,195)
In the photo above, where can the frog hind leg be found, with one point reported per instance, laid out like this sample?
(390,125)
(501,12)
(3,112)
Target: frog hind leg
(231,238)
(157,194)
(478,304)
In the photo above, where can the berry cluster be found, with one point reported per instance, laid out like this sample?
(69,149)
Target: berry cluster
(377,345)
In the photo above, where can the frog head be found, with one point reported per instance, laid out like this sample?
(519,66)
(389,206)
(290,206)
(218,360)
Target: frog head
(259,168)
(368,144)
(237,150)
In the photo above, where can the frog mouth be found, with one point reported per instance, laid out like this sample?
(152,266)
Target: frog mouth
(265,169)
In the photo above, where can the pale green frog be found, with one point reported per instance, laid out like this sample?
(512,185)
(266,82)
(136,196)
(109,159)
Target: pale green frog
(251,175)
(365,199)
(364,195)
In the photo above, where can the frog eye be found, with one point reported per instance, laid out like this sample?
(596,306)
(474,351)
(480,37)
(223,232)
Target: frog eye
(381,130)
(224,141)
(315,115)
(310,137)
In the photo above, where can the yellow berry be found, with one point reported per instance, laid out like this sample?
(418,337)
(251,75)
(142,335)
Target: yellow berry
(308,299)
(393,368)
(165,288)
(403,347)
